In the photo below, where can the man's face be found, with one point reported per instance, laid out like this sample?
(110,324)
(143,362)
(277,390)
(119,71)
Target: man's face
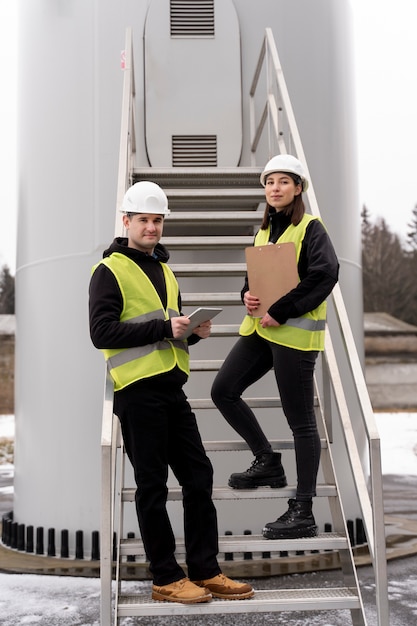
(144,230)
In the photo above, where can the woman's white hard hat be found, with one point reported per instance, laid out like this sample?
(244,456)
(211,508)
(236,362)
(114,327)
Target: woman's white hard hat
(145,197)
(284,163)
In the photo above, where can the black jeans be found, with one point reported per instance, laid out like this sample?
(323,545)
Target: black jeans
(160,430)
(248,361)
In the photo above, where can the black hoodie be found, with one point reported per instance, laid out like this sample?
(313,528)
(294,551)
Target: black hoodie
(105,303)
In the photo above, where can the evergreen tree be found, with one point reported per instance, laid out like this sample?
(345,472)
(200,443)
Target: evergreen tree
(412,265)
(366,217)
(366,224)
(6,291)
(412,233)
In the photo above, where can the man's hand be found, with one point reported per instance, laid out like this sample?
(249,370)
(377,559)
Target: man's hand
(204,330)
(179,326)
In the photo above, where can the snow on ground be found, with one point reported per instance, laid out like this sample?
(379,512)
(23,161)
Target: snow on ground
(398,433)
(53,600)
(7,426)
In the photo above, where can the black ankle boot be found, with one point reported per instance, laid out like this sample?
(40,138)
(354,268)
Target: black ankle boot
(266,470)
(297,522)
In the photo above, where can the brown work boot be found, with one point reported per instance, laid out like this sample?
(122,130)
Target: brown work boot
(222,587)
(181,591)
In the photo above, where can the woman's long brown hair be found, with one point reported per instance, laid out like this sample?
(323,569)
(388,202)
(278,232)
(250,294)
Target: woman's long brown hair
(296,209)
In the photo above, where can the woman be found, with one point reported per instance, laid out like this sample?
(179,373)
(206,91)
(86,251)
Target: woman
(288,338)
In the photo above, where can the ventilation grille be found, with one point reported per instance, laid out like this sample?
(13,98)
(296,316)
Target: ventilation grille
(194,150)
(192,18)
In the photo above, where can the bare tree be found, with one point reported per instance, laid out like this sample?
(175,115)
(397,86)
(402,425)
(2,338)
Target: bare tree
(388,284)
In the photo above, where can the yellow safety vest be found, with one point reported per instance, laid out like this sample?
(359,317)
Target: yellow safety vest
(302,333)
(141,303)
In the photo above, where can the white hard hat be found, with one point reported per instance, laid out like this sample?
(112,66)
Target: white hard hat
(285,163)
(145,197)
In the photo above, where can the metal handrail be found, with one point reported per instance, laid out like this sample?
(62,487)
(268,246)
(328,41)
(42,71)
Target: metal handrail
(127,148)
(283,137)
(108,477)
(110,434)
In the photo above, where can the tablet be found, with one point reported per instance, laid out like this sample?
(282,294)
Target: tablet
(202,314)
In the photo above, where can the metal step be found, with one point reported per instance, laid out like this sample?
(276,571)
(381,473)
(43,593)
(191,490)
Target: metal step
(217,218)
(227,493)
(207,243)
(215,196)
(211,299)
(240,445)
(225,330)
(209,269)
(205,366)
(254,403)
(251,543)
(263,602)
(200,176)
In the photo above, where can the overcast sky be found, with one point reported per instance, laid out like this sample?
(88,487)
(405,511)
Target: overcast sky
(386,53)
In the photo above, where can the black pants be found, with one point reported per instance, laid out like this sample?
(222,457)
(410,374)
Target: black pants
(160,430)
(248,361)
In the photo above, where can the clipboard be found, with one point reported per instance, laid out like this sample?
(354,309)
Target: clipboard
(272,272)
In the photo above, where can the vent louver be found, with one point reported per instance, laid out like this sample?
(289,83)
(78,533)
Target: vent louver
(194,150)
(192,18)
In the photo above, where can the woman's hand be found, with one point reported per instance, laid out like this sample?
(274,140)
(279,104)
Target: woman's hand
(267,320)
(203,331)
(251,303)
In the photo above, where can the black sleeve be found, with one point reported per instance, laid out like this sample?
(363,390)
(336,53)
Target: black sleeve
(318,268)
(105,307)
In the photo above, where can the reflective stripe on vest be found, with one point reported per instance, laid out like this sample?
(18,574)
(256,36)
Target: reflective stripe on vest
(141,303)
(302,333)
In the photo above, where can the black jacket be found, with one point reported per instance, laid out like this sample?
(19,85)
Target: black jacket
(105,302)
(318,269)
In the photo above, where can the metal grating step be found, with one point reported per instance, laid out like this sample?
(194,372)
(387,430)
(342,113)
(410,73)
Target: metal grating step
(259,402)
(217,218)
(225,330)
(252,543)
(205,366)
(263,602)
(200,176)
(216,197)
(207,243)
(209,269)
(227,493)
(239,446)
(211,299)
(264,403)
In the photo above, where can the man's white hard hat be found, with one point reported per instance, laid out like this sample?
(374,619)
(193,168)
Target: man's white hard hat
(285,163)
(145,197)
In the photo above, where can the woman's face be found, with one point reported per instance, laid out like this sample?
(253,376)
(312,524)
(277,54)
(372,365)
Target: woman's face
(280,190)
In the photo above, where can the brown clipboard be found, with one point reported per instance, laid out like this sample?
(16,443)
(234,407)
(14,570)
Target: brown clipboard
(272,272)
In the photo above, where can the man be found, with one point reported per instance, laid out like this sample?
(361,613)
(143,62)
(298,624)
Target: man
(135,318)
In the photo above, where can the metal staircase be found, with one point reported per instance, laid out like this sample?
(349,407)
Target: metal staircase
(214,215)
